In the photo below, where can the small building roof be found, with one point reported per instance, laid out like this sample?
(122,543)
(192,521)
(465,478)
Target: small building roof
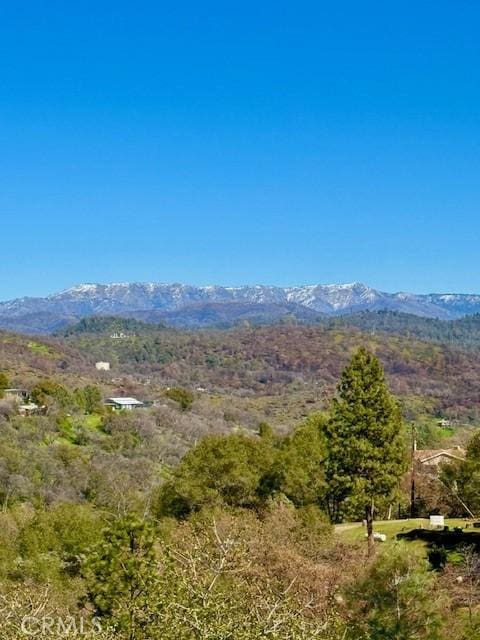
(424,455)
(124,401)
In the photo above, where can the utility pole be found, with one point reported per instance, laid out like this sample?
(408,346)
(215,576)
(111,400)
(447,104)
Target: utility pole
(412,472)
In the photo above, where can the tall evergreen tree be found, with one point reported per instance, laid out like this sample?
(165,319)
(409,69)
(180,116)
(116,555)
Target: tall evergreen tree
(121,574)
(366,451)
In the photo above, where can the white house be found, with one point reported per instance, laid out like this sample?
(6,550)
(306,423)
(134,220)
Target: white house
(102,366)
(29,408)
(123,403)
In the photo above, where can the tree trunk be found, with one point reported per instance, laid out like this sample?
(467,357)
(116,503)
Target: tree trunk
(369,520)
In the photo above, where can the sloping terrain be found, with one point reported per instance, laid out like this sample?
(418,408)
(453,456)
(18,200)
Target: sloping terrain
(24,359)
(282,366)
(462,332)
(274,360)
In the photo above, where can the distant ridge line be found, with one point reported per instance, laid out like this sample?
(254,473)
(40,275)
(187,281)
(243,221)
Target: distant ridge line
(193,306)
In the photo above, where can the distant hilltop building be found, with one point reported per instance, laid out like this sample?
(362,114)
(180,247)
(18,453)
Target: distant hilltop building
(102,366)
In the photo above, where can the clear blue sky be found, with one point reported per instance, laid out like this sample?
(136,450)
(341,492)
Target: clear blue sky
(240,142)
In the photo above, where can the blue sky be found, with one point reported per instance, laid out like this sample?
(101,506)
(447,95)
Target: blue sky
(239,142)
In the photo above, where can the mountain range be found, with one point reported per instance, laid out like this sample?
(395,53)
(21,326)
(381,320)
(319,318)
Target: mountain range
(190,306)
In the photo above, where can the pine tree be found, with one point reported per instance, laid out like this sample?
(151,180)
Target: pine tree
(366,451)
(121,574)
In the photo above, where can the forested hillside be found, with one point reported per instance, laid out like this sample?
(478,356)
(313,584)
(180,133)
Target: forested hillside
(305,360)
(462,332)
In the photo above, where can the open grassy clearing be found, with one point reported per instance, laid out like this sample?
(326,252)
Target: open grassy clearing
(355,531)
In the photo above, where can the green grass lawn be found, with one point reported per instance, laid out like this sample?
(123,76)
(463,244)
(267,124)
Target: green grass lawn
(93,421)
(40,348)
(355,531)
(70,427)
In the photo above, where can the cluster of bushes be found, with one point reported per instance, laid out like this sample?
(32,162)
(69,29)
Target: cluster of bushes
(50,393)
(226,573)
(53,395)
(239,470)
(184,397)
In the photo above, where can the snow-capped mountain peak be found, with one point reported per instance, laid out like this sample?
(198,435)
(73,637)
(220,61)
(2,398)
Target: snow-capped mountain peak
(136,298)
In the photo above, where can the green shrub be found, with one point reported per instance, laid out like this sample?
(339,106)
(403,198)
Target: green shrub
(184,397)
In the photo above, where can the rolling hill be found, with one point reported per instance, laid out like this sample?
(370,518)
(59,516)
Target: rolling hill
(286,360)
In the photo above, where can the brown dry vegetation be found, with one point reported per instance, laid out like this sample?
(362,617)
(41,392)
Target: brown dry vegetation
(272,360)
